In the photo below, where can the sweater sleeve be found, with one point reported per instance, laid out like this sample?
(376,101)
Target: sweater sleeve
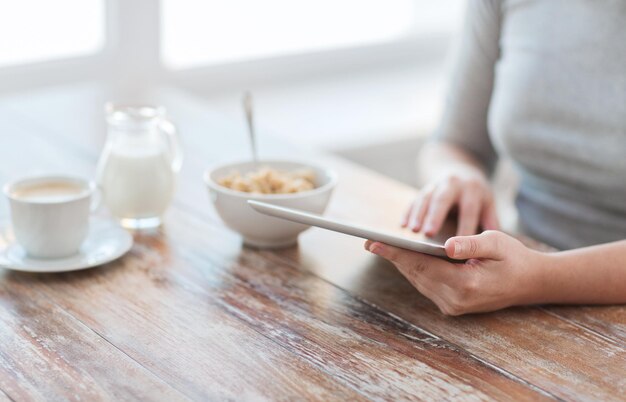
(464,121)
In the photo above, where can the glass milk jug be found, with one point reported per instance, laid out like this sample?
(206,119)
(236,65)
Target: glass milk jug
(137,168)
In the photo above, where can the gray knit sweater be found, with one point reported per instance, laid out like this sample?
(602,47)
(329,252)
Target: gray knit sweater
(543,82)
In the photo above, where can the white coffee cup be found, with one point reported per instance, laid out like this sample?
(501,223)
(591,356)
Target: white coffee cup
(50,214)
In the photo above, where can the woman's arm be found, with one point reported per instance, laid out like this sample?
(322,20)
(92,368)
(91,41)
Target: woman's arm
(500,272)
(590,275)
(453,166)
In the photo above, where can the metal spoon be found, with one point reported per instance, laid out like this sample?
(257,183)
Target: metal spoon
(247,107)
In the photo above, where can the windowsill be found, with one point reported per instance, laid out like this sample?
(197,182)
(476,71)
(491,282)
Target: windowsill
(347,111)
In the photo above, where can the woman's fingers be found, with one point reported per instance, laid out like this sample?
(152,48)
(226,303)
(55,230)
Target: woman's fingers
(394,254)
(410,262)
(489,219)
(407,215)
(469,211)
(419,212)
(487,245)
(426,273)
(433,204)
(452,287)
(414,216)
(442,201)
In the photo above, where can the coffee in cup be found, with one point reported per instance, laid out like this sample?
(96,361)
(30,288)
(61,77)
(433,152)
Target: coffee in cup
(50,214)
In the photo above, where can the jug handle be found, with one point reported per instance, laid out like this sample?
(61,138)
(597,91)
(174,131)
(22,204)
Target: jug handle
(176,150)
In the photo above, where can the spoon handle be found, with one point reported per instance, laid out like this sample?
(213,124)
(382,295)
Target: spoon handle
(247,106)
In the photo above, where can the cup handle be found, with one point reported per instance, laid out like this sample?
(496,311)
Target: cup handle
(176,152)
(96,198)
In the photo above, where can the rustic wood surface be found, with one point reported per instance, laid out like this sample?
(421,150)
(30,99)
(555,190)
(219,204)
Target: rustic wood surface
(189,313)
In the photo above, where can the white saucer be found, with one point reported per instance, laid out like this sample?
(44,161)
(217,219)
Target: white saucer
(105,242)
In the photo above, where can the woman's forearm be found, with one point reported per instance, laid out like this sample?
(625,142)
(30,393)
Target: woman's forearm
(590,275)
(438,158)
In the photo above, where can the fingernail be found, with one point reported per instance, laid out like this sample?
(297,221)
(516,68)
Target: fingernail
(458,247)
(376,249)
(429,228)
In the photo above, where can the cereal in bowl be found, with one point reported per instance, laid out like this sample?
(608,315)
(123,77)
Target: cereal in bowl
(270,181)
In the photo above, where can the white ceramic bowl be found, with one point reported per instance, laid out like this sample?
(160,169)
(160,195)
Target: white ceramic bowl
(260,230)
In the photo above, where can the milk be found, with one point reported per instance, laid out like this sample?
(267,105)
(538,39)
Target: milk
(140,159)
(137,183)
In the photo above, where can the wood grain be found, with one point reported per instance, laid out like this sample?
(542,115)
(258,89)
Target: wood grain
(356,345)
(526,342)
(221,358)
(180,335)
(607,321)
(148,268)
(192,310)
(353,335)
(427,379)
(552,370)
(45,352)
(4,397)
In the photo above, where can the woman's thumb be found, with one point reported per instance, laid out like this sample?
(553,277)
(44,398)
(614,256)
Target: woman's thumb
(485,245)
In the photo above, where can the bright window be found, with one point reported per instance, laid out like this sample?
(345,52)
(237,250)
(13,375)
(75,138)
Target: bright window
(39,30)
(217,31)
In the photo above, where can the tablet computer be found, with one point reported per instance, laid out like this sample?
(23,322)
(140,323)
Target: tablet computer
(311,219)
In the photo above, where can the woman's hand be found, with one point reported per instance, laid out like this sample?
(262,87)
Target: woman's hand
(466,188)
(500,272)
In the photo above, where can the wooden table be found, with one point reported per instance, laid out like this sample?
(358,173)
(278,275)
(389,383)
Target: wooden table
(190,314)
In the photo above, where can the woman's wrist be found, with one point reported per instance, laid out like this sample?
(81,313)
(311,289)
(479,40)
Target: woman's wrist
(535,286)
(463,169)
(594,275)
(439,159)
